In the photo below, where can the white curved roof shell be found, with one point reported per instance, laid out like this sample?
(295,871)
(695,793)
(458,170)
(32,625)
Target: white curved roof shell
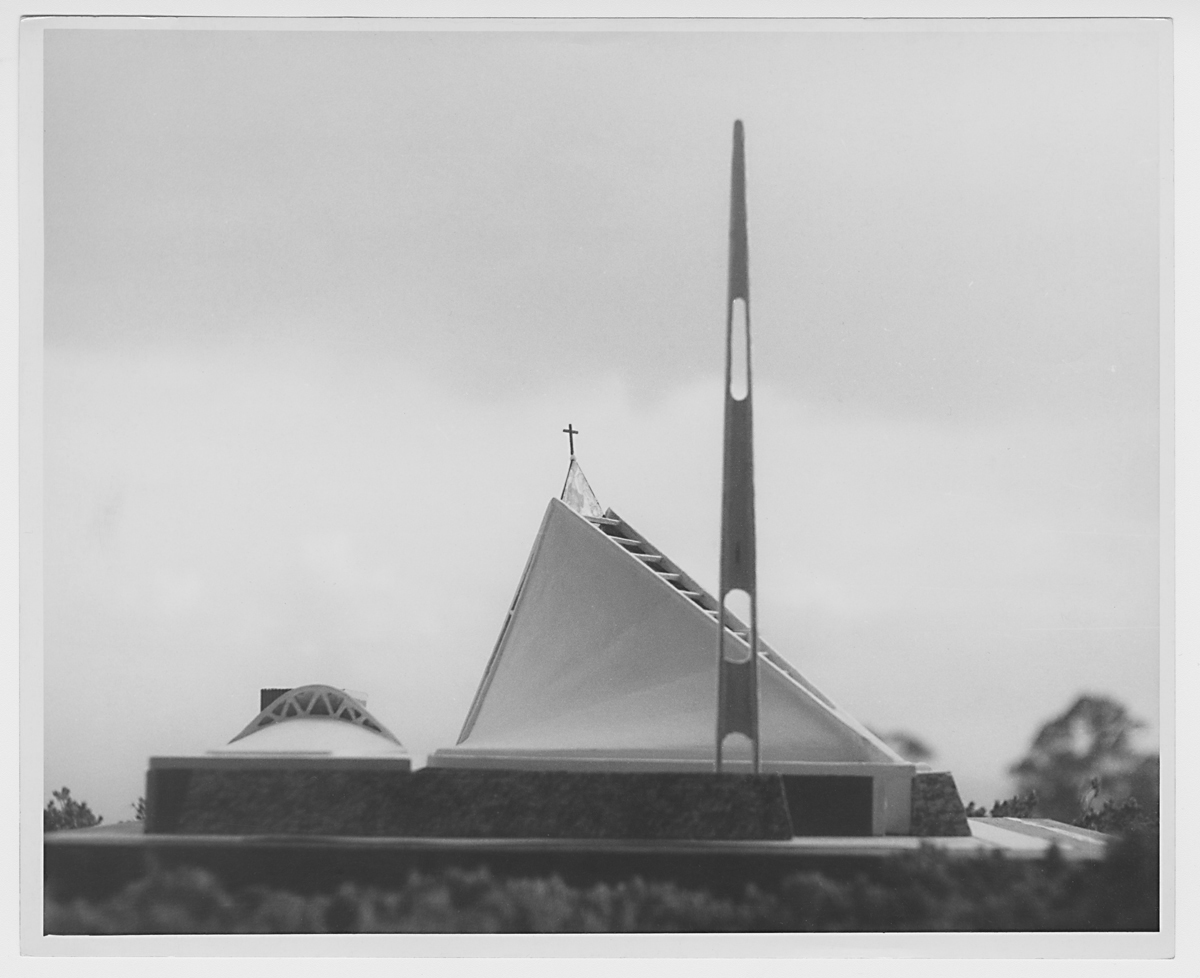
(320,736)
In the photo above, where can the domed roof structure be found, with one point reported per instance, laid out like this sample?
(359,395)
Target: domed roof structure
(315,720)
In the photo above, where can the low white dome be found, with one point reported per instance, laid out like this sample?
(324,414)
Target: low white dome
(315,735)
(315,720)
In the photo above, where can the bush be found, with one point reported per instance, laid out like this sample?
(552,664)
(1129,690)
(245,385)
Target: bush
(923,891)
(1124,819)
(64,812)
(1018,806)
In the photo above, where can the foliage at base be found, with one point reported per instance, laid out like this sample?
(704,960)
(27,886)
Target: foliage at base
(1018,806)
(1127,818)
(924,891)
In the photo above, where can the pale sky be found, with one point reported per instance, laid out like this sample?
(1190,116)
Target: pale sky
(319,303)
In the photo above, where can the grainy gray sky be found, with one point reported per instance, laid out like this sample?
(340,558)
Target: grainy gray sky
(318,303)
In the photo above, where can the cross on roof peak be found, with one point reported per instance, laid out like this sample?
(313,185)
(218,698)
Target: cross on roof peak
(571,432)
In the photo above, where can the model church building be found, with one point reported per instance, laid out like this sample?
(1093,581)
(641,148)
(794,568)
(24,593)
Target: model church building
(617,682)
(605,662)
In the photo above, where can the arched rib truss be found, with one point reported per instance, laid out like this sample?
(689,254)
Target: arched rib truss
(323,702)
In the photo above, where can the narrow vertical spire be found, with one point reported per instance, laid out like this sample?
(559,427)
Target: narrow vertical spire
(739,252)
(737,672)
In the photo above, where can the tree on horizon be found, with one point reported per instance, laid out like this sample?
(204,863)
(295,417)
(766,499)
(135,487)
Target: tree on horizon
(1091,739)
(908,745)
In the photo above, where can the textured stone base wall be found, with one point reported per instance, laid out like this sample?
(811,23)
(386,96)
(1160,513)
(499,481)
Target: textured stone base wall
(936,807)
(461,803)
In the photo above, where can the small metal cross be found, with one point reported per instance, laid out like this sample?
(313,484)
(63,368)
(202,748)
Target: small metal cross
(571,433)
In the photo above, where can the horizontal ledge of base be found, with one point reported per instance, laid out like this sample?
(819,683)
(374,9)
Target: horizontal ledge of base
(298,761)
(980,843)
(613,761)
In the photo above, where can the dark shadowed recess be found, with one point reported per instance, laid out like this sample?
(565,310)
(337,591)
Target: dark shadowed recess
(825,805)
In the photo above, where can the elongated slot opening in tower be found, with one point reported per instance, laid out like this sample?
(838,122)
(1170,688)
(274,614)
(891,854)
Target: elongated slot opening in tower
(735,653)
(739,350)
(737,603)
(737,747)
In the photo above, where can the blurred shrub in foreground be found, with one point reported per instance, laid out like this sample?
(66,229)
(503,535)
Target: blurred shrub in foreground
(923,891)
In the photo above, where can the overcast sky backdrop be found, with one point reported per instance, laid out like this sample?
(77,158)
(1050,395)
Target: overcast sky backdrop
(319,303)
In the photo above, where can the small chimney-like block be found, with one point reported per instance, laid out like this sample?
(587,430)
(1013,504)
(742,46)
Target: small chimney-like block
(268,696)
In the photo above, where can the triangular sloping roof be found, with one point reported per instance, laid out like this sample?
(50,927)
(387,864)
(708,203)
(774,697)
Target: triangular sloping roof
(608,653)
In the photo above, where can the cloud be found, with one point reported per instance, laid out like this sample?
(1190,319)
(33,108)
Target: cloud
(932,232)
